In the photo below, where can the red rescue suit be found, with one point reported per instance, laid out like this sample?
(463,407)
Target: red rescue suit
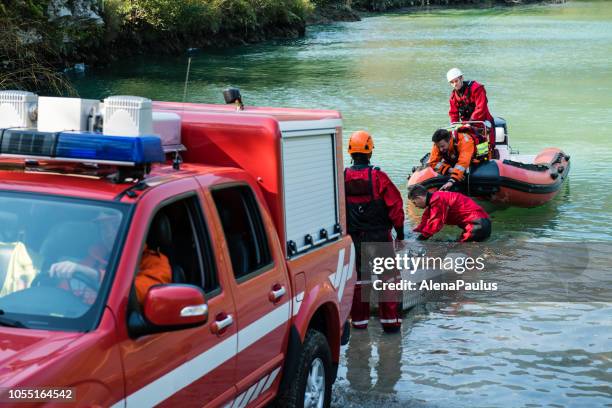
(449,208)
(470,104)
(373,206)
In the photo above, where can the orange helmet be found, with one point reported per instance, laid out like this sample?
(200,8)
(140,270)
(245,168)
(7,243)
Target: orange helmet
(361,142)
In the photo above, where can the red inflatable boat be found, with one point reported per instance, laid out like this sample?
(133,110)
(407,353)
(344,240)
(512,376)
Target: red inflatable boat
(510,179)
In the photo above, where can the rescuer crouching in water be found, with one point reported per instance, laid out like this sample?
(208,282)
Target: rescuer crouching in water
(373,206)
(449,208)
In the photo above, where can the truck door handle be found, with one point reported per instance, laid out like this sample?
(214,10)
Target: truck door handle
(223,322)
(277,292)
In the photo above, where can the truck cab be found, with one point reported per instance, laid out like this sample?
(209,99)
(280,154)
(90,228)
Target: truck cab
(191,255)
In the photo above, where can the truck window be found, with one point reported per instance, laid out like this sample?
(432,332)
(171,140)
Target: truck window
(243,229)
(57,257)
(178,231)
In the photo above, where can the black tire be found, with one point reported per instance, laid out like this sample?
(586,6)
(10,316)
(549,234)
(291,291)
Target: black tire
(346,334)
(315,348)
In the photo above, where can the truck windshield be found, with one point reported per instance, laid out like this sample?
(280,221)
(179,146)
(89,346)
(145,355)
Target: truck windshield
(55,256)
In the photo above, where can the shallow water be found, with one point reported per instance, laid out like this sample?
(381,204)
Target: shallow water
(548,72)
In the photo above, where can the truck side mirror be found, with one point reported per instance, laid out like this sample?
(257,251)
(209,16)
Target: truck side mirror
(167,308)
(175,305)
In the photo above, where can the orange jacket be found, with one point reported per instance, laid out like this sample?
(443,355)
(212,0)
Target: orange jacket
(154,270)
(457,160)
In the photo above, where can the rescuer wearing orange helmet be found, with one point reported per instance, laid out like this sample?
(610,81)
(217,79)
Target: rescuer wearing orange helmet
(373,206)
(453,152)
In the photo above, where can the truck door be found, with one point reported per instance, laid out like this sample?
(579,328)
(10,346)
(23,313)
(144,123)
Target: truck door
(261,290)
(189,366)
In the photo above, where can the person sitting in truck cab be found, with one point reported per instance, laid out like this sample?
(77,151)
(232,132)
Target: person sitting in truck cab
(373,206)
(452,154)
(154,266)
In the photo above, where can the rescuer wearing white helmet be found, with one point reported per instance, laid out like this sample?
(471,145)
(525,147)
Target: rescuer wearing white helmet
(468,102)
(455,77)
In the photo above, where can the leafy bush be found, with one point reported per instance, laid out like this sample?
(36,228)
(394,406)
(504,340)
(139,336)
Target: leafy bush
(192,18)
(31,9)
(28,59)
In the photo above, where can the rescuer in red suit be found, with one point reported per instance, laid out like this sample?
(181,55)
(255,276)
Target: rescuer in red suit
(449,208)
(468,102)
(374,206)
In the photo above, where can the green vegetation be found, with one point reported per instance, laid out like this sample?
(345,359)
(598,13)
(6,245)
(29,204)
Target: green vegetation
(28,58)
(39,38)
(169,25)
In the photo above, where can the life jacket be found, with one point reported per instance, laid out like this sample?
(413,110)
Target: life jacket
(481,146)
(365,211)
(465,104)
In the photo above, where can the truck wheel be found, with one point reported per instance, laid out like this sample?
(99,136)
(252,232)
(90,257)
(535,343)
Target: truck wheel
(313,380)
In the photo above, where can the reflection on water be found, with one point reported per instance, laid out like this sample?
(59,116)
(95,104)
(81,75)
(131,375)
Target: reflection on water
(513,347)
(547,72)
(470,354)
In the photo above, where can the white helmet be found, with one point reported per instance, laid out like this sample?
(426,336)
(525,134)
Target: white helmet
(453,73)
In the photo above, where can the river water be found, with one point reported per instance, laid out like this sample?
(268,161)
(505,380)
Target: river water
(548,72)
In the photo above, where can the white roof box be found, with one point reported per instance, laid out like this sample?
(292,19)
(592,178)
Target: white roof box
(16,108)
(56,114)
(168,126)
(127,116)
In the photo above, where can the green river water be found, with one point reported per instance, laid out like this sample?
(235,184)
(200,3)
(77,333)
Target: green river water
(548,72)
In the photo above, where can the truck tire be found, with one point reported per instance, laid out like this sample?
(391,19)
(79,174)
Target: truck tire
(312,385)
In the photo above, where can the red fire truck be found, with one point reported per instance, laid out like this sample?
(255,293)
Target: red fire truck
(246,205)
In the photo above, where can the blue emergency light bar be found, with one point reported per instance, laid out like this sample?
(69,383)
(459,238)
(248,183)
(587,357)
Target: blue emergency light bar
(81,147)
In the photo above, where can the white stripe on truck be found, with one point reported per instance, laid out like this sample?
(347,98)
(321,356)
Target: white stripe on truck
(173,381)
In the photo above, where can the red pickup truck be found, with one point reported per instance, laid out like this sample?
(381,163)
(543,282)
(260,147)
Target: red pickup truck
(247,207)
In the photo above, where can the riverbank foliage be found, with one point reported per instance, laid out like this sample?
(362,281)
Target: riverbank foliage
(169,25)
(39,38)
(28,58)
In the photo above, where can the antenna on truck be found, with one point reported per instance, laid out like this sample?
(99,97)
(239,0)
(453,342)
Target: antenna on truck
(190,52)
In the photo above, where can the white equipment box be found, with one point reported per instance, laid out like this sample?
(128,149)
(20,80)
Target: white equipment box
(127,116)
(56,114)
(167,126)
(16,108)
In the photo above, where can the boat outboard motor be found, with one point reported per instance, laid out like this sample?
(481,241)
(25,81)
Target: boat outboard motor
(232,95)
(500,125)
